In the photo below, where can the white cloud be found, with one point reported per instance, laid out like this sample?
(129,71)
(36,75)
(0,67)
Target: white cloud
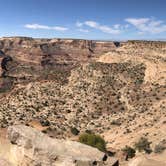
(79,24)
(58,28)
(38,26)
(117,26)
(103,28)
(92,24)
(147,25)
(83,30)
(126,26)
(107,29)
(138,21)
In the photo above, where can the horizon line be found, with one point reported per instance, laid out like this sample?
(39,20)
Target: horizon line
(111,40)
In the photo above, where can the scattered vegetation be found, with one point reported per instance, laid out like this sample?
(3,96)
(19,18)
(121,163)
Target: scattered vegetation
(93,140)
(129,151)
(45,122)
(143,145)
(6,84)
(116,123)
(74,131)
(159,148)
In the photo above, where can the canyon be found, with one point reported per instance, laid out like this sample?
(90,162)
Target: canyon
(114,89)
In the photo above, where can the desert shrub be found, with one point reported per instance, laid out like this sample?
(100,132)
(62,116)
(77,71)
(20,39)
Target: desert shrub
(89,131)
(93,140)
(139,81)
(143,145)
(160,147)
(44,122)
(6,85)
(129,151)
(115,122)
(74,131)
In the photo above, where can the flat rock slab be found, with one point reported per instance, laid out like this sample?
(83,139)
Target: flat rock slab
(37,148)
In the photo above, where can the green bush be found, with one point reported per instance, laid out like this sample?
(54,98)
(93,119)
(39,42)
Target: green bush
(89,131)
(93,140)
(74,131)
(129,151)
(143,145)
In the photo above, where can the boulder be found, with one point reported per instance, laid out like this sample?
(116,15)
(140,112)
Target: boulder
(35,148)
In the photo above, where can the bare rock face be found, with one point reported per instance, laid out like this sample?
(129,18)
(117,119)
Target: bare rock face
(26,59)
(34,148)
(50,52)
(3,162)
(72,47)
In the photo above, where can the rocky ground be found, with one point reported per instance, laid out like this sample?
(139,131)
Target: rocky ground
(120,94)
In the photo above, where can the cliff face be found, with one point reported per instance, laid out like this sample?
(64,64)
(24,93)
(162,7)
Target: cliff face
(41,54)
(26,59)
(35,50)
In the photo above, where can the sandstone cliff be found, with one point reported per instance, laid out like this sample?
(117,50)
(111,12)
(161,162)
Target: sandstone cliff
(26,59)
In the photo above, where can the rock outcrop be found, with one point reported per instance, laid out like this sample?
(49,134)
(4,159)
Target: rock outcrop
(31,147)
(26,59)
(50,52)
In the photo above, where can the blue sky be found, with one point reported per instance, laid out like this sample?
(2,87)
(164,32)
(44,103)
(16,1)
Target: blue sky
(88,19)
